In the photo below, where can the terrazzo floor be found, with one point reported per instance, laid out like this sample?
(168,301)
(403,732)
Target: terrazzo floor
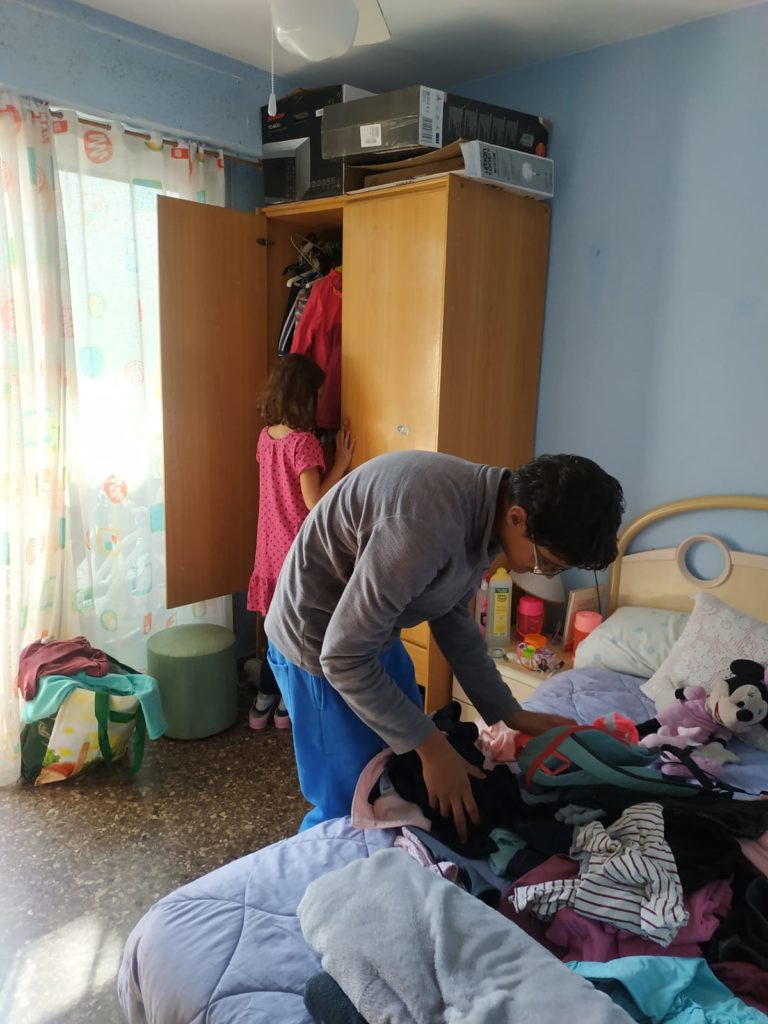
(82,860)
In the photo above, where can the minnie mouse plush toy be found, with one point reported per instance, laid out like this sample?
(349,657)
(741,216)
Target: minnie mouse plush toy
(706,721)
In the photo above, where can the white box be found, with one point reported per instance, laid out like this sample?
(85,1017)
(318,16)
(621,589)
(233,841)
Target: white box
(520,172)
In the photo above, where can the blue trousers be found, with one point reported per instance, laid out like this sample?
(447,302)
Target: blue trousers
(332,744)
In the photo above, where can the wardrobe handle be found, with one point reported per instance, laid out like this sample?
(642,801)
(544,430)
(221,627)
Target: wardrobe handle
(404,429)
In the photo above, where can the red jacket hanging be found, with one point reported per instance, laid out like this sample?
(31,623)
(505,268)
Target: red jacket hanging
(318,335)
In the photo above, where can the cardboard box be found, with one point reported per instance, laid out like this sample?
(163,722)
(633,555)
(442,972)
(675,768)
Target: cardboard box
(519,172)
(293,163)
(408,122)
(528,175)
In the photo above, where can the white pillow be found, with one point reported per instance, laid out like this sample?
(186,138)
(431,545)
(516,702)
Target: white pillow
(634,641)
(715,636)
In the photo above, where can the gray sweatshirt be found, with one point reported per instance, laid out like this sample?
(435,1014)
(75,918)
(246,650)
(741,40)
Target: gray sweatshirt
(404,538)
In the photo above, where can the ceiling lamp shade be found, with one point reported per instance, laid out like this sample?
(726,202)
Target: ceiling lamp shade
(315,29)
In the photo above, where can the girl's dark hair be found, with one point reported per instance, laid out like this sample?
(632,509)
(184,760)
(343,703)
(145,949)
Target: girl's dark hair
(574,508)
(290,396)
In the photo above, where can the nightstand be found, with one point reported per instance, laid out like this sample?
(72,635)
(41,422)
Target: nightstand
(521,682)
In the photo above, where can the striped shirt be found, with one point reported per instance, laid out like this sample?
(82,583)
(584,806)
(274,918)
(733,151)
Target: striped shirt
(627,878)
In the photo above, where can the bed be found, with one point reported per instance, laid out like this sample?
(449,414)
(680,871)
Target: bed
(227,948)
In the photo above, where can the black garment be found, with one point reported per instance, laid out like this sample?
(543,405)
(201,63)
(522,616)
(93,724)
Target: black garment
(497,795)
(745,818)
(327,1003)
(469,876)
(702,853)
(743,935)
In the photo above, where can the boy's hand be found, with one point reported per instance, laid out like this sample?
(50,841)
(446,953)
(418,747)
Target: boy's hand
(446,776)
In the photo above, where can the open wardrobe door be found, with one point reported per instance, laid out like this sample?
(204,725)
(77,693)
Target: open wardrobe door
(213,324)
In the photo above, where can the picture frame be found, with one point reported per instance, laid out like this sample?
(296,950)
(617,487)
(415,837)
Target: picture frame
(581,599)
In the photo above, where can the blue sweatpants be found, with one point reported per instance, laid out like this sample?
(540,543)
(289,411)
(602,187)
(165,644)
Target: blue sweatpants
(332,744)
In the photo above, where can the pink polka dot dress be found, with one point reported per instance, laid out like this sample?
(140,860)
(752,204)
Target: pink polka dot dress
(281,506)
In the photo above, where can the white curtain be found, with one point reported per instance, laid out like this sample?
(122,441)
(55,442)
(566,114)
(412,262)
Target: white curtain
(82,499)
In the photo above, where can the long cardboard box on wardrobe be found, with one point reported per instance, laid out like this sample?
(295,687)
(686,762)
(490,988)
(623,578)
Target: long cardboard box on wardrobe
(519,172)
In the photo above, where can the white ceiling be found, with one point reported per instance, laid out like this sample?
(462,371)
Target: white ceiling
(434,42)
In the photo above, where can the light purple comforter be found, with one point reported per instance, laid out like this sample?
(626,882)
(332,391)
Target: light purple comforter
(228,949)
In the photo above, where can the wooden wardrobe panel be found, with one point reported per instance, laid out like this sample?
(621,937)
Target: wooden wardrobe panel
(496,271)
(394,266)
(213,351)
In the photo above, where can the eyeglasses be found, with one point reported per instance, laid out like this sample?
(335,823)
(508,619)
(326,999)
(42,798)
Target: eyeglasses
(544,568)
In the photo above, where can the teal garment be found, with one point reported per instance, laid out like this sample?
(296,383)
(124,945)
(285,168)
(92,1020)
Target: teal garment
(668,990)
(508,844)
(51,691)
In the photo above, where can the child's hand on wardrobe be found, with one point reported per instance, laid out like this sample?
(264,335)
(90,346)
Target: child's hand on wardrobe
(345,446)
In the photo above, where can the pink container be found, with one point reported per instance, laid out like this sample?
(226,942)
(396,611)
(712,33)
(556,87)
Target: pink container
(530,615)
(583,624)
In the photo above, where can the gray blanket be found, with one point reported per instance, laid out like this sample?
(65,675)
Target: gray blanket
(409,947)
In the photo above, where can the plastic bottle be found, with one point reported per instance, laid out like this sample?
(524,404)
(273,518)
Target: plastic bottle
(481,607)
(499,609)
(530,615)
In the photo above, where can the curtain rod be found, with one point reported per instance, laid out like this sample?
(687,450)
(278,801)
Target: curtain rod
(147,136)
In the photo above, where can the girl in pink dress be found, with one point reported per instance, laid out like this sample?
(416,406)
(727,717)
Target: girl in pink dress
(290,484)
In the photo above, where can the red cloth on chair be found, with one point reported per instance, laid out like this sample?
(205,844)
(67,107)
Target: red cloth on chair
(58,657)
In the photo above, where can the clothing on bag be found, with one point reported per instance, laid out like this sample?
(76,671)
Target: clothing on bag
(318,335)
(408,947)
(379,565)
(667,990)
(331,743)
(627,877)
(58,657)
(282,509)
(52,690)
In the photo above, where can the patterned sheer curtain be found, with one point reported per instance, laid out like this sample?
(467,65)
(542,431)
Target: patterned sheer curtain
(82,499)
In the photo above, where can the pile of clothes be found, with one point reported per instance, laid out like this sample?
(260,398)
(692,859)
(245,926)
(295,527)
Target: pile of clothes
(661,902)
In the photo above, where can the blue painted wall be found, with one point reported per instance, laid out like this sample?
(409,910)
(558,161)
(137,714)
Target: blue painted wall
(70,54)
(655,359)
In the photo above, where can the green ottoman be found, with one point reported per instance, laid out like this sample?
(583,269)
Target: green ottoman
(197,675)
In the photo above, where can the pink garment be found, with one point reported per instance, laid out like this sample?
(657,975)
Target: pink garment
(498,742)
(414,847)
(58,657)
(281,506)
(388,810)
(581,938)
(318,335)
(756,852)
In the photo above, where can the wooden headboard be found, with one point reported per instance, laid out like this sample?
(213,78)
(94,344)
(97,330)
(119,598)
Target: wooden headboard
(660,578)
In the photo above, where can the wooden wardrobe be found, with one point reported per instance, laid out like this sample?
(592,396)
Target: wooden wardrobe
(444,284)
